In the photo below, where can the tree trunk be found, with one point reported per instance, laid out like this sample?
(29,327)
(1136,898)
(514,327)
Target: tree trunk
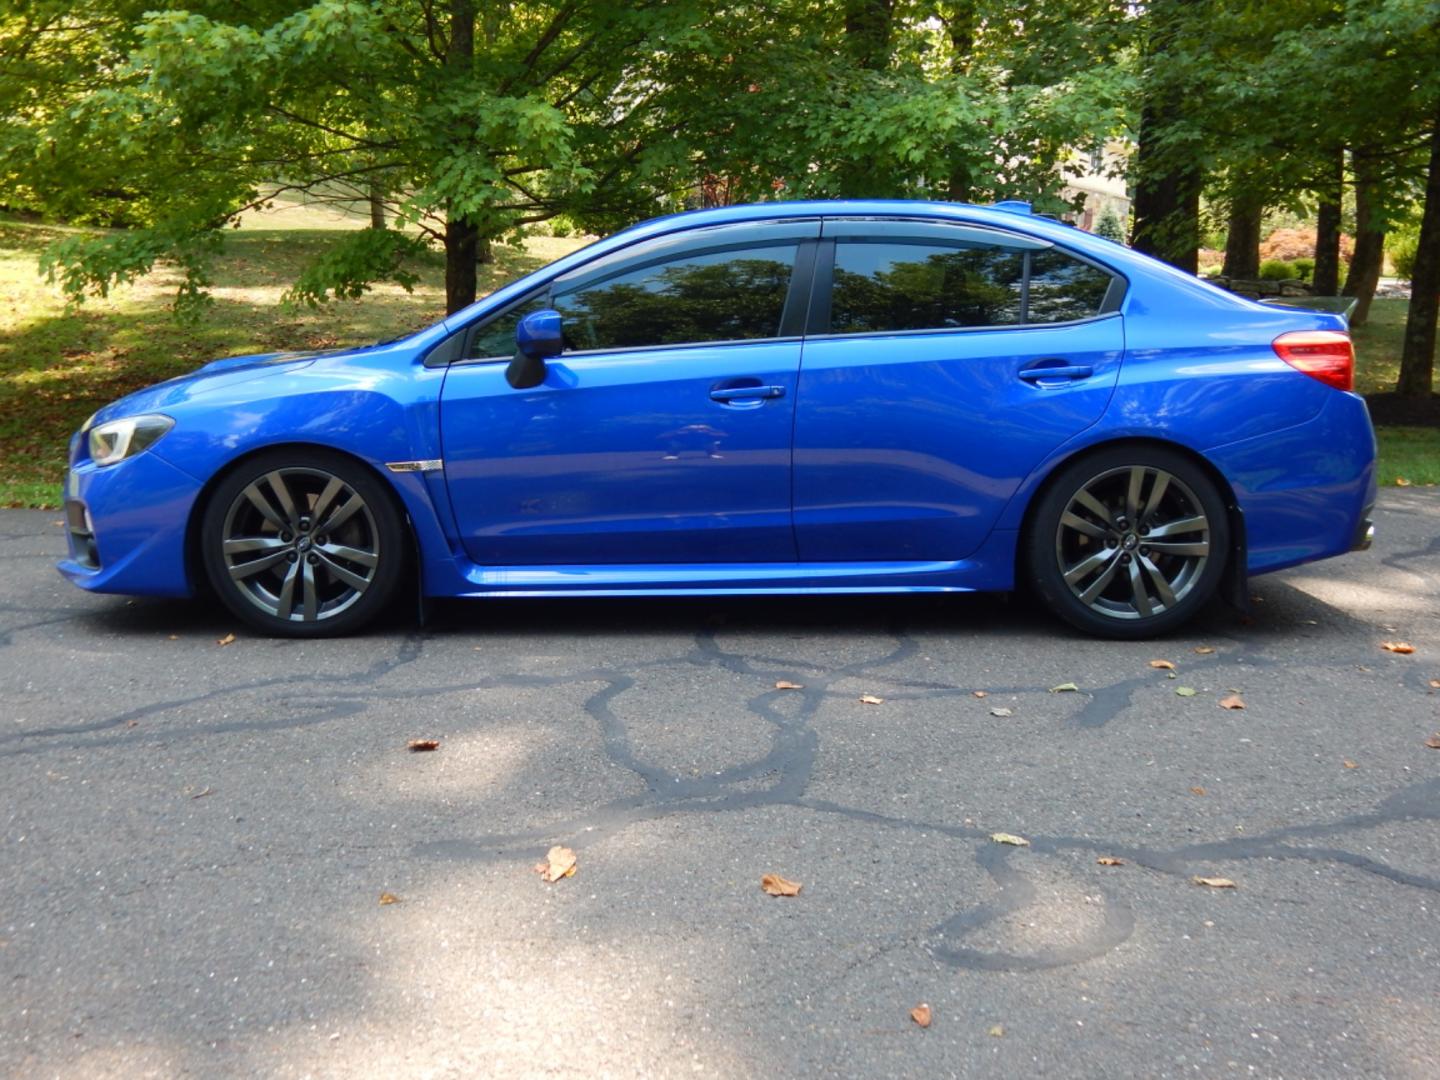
(1369,255)
(1417,358)
(1167,189)
(462,239)
(462,236)
(377,206)
(1242,241)
(1327,228)
(867,43)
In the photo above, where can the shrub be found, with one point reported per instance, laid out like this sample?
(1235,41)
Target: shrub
(1304,269)
(1277,270)
(1288,244)
(1401,247)
(1110,226)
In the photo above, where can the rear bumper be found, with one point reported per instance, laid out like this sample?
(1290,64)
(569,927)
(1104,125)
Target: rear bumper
(1307,492)
(126,524)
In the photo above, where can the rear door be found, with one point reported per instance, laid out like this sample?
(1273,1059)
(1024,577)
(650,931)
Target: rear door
(943,363)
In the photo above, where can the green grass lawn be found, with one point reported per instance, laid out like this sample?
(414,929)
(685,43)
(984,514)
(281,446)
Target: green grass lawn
(58,366)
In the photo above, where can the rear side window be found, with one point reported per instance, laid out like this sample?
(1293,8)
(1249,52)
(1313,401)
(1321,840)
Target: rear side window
(729,295)
(1063,289)
(880,286)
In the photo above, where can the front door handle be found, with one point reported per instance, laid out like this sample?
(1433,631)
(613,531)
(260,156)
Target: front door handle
(745,393)
(1046,370)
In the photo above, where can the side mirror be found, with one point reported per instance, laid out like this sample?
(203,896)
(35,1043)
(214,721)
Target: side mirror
(537,338)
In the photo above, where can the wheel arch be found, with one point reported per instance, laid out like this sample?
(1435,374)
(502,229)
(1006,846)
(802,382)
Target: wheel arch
(1234,585)
(194,563)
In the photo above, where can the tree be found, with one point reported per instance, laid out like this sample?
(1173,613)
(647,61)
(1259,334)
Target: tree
(1110,226)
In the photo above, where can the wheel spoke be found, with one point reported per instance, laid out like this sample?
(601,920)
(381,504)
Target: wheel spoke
(349,577)
(1198,523)
(349,554)
(1190,548)
(349,509)
(1075,521)
(1096,587)
(333,487)
(286,603)
(310,595)
(1157,492)
(258,500)
(241,545)
(1132,494)
(282,496)
(1094,505)
(249,569)
(1087,566)
(1162,586)
(1138,596)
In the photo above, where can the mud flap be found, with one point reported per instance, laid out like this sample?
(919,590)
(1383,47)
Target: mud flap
(1235,585)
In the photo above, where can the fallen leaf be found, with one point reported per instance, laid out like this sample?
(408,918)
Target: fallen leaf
(1000,710)
(388,898)
(203,794)
(982,693)
(997,1031)
(1009,838)
(559,863)
(1197,791)
(1435,684)
(1204,650)
(775,885)
(1434,741)
(921,1015)
(783,685)
(1185,691)
(1064,687)
(1402,647)
(174,637)
(1110,860)
(1163,665)
(415,746)
(1234,701)
(1349,764)
(871,699)
(228,639)
(1400,481)
(1213,882)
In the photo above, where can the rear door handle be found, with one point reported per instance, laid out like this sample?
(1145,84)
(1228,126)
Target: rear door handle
(1041,373)
(745,393)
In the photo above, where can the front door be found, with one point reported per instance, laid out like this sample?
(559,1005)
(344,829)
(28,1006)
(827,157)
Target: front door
(661,435)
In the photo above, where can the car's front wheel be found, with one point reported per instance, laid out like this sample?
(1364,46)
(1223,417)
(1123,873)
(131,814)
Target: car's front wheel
(1129,542)
(303,543)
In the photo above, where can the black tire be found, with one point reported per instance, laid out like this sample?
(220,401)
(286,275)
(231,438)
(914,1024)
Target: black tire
(303,542)
(1123,577)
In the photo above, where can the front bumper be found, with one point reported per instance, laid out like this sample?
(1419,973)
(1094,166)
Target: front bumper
(127,524)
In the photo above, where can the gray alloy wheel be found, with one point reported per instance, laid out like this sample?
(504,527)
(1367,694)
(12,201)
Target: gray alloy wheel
(303,543)
(300,544)
(1128,541)
(1133,542)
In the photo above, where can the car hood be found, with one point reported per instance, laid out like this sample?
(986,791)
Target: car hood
(216,375)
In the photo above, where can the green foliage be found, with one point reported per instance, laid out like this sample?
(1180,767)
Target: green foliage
(1304,268)
(1278,270)
(349,268)
(1402,247)
(1109,225)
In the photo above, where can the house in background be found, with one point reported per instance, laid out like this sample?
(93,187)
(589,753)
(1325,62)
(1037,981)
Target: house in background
(1098,178)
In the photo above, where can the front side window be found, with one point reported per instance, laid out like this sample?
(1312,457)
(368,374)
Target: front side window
(890,286)
(496,339)
(730,295)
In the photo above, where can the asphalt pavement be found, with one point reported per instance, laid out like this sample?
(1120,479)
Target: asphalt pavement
(196,838)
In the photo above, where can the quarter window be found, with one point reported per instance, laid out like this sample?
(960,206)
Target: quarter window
(731,295)
(889,286)
(1063,288)
(497,337)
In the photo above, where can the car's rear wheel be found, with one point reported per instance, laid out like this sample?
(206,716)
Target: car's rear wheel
(303,543)
(1128,542)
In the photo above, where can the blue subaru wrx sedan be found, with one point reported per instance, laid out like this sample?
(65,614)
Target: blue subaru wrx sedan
(812,397)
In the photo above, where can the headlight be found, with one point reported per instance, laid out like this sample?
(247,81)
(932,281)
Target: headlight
(116,440)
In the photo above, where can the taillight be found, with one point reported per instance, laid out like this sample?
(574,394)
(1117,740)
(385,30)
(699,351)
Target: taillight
(1326,355)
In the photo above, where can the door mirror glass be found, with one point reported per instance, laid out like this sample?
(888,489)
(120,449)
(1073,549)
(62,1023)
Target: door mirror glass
(538,337)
